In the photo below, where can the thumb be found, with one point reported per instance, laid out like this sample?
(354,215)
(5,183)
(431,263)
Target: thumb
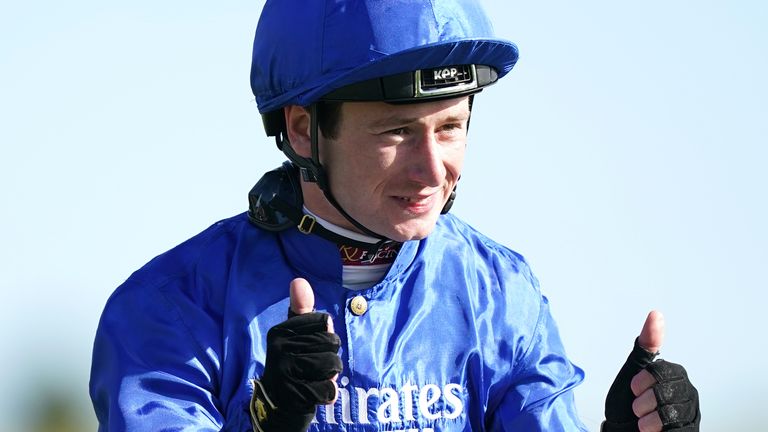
(303,300)
(652,336)
(302,297)
(618,403)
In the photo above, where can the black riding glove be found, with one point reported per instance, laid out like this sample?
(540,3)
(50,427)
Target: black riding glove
(677,398)
(301,360)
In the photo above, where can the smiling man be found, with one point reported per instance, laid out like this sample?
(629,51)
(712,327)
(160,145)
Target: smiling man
(347,298)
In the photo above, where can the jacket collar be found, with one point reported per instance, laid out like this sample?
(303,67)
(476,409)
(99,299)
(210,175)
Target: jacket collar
(316,258)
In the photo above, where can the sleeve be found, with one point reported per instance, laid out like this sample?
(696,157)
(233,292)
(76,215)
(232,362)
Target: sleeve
(150,371)
(539,395)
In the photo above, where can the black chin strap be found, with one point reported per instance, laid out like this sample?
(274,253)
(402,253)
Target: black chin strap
(312,171)
(323,181)
(307,224)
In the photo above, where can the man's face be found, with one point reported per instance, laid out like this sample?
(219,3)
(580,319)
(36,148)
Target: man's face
(392,167)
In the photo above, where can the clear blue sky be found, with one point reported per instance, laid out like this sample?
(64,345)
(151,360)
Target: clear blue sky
(625,157)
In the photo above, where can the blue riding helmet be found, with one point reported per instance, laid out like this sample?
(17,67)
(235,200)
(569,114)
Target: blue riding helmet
(304,50)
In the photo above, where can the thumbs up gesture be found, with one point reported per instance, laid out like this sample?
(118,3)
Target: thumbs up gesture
(648,395)
(300,369)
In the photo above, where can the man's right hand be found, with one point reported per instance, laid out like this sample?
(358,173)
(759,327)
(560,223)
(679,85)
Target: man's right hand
(301,367)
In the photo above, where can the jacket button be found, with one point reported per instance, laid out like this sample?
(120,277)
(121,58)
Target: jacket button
(358,305)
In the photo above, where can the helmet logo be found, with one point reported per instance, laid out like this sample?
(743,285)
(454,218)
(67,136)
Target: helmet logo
(445,73)
(446,76)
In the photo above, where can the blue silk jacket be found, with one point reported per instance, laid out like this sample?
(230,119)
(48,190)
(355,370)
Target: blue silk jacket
(456,337)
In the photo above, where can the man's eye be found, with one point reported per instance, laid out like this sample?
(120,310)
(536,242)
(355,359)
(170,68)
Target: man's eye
(398,131)
(453,126)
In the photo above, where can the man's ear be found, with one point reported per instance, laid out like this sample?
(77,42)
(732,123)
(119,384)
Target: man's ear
(297,123)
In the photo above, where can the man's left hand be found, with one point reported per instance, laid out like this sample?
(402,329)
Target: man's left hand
(651,396)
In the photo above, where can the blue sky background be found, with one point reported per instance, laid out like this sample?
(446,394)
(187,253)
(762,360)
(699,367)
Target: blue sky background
(624,156)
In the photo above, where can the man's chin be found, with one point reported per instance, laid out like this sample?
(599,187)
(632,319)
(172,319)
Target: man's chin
(413,230)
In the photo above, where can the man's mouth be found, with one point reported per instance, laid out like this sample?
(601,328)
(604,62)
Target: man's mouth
(417,204)
(414,199)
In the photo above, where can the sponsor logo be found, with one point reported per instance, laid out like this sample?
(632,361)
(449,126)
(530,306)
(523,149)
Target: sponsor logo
(445,76)
(426,404)
(351,255)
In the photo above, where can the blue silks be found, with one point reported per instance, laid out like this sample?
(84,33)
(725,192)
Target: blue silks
(456,337)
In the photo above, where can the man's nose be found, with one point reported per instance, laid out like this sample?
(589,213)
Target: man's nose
(428,167)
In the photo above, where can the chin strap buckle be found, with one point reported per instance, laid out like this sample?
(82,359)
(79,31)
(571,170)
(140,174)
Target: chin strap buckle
(307,224)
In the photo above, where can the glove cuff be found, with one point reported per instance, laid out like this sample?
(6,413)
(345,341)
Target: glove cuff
(267,417)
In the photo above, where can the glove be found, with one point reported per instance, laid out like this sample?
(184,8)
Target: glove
(301,360)
(677,398)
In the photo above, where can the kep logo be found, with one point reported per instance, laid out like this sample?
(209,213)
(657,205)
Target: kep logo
(445,74)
